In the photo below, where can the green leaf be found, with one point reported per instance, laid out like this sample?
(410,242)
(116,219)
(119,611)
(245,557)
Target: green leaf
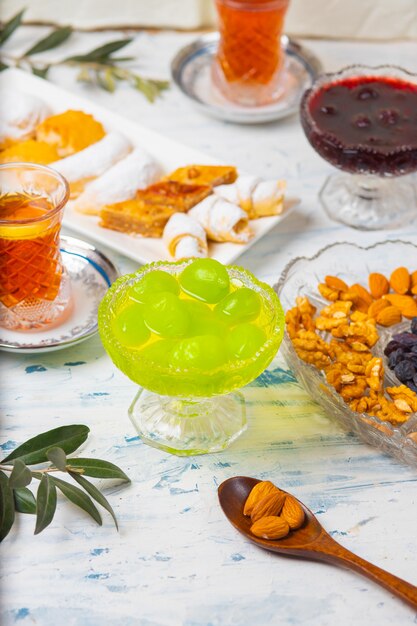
(33,451)
(3,66)
(101,53)
(79,498)
(150,88)
(84,75)
(20,476)
(97,468)
(45,503)
(58,457)
(9,28)
(42,72)
(106,80)
(53,40)
(96,494)
(6,506)
(24,500)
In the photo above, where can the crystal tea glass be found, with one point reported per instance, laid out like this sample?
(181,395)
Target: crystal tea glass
(187,402)
(35,291)
(363,121)
(249,67)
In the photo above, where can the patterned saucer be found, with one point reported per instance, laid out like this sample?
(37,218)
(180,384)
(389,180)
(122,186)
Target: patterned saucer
(191,71)
(91,274)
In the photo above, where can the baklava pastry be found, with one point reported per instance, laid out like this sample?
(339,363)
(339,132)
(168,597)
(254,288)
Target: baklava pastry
(150,210)
(70,131)
(185,237)
(29,151)
(20,114)
(82,167)
(211,175)
(258,197)
(222,220)
(119,183)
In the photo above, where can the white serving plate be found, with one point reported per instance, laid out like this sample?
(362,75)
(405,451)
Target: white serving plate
(168,153)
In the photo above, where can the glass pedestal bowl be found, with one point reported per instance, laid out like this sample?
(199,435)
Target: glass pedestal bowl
(362,120)
(195,410)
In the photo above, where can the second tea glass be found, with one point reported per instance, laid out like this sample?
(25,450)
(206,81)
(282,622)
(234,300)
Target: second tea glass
(35,290)
(249,67)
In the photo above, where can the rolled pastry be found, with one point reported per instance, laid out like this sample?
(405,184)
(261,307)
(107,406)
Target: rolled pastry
(81,167)
(258,197)
(119,183)
(184,237)
(20,113)
(222,220)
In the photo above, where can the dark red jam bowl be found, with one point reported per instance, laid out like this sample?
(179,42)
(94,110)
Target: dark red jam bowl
(363,120)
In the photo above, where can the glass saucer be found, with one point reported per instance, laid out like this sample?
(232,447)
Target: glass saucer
(191,72)
(91,273)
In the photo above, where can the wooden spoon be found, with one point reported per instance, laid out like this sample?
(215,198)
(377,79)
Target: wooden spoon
(310,541)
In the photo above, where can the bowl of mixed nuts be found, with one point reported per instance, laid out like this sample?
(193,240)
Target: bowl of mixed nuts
(351,338)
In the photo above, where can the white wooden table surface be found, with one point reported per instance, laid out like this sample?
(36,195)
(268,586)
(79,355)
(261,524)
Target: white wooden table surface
(176,560)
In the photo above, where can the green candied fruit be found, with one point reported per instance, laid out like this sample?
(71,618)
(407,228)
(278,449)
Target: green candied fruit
(244,340)
(153,282)
(203,320)
(243,305)
(129,327)
(159,351)
(206,280)
(204,352)
(166,315)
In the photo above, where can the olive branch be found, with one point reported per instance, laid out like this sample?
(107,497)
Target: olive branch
(52,446)
(99,67)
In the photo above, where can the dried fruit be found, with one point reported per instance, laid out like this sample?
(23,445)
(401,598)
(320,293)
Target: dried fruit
(378,285)
(270,527)
(259,491)
(389,316)
(271,504)
(400,280)
(293,512)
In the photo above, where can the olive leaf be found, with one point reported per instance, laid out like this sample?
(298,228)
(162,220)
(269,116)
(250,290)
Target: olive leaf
(42,72)
(58,457)
(97,468)
(24,500)
(10,26)
(20,476)
(53,40)
(6,506)
(150,88)
(96,494)
(33,451)
(101,53)
(78,497)
(106,80)
(45,503)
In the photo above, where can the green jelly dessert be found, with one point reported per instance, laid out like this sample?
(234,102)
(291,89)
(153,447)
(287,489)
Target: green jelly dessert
(191,328)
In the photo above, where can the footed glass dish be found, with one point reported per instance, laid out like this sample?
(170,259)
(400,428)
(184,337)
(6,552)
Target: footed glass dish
(187,401)
(352,264)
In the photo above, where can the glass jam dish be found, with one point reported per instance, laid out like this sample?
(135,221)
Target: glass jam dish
(186,355)
(363,120)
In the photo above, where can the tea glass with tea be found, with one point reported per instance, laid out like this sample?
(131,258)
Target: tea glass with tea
(249,67)
(35,289)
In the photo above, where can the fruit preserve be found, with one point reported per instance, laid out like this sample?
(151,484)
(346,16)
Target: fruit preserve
(195,330)
(364,124)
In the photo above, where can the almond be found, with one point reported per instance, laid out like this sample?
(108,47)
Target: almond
(362,293)
(270,527)
(377,306)
(400,280)
(293,512)
(389,316)
(378,285)
(414,279)
(336,283)
(406,304)
(259,491)
(270,505)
